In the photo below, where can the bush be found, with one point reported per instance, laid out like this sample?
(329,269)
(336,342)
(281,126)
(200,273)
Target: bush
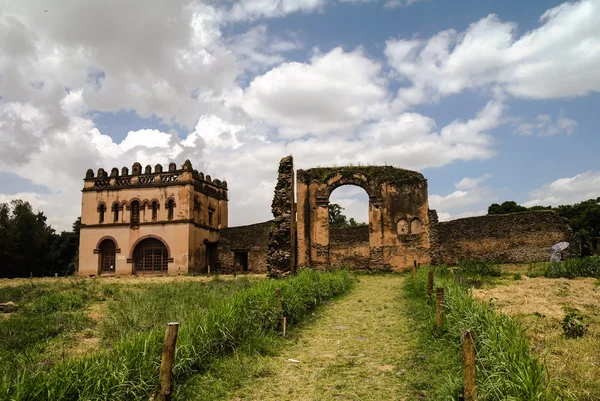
(506,368)
(129,370)
(573,326)
(480,267)
(571,268)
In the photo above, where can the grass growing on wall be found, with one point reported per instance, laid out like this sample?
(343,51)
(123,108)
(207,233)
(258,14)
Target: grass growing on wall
(129,370)
(506,370)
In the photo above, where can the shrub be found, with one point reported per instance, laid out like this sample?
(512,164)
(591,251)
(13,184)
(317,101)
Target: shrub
(571,268)
(517,276)
(573,326)
(480,267)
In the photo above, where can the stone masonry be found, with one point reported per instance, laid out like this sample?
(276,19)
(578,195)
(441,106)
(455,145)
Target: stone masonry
(281,259)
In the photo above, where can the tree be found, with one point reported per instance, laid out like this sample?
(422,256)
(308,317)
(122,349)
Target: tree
(506,207)
(28,245)
(336,218)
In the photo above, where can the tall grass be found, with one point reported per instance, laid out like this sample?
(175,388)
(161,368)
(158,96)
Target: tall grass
(577,267)
(480,267)
(506,370)
(129,370)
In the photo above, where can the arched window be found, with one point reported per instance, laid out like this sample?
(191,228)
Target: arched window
(101,211)
(154,210)
(170,209)
(107,256)
(115,209)
(403,227)
(150,256)
(135,213)
(416,226)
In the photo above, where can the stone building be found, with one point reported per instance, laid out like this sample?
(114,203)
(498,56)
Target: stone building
(150,221)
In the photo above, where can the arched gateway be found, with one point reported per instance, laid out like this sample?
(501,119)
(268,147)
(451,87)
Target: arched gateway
(398,214)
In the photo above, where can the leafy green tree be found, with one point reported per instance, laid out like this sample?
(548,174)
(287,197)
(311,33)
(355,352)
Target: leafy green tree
(506,207)
(29,246)
(337,218)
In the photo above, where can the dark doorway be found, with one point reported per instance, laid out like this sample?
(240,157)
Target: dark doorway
(150,256)
(240,261)
(212,257)
(107,256)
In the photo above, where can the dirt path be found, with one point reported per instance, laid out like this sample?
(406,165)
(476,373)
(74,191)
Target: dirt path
(351,352)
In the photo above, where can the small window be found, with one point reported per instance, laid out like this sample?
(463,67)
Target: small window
(403,227)
(170,209)
(115,209)
(101,211)
(210,217)
(154,210)
(135,213)
(416,226)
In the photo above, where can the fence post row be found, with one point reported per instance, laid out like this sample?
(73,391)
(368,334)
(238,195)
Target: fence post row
(439,306)
(168,359)
(414,269)
(468,348)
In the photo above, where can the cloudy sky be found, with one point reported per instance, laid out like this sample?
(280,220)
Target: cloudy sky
(490,100)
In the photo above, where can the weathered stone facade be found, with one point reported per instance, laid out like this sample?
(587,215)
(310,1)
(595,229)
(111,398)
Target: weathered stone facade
(150,220)
(398,215)
(507,238)
(281,259)
(349,247)
(251,241)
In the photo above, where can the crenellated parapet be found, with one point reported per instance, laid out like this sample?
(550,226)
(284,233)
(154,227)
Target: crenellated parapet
(143,177)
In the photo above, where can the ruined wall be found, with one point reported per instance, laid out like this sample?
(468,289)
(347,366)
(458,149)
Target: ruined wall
(281,259)
(349,247)
(253,239)
(398,215)
(508,238)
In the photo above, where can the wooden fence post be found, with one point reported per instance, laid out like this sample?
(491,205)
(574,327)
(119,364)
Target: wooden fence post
(282,321)
(168,359)
(468,346)
(439,307)
(414,269)
(430,284)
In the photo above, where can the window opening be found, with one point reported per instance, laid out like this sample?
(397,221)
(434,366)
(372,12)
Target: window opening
(151,256)
(154,210)
(101,210)
(135,213)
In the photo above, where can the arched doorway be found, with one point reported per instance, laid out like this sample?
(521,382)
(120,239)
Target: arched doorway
(150,256)
(108,250)
(349,227)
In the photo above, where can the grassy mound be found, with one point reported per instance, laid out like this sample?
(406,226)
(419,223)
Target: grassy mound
(506,370)
(129,370)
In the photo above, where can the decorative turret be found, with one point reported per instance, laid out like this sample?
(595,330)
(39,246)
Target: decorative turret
(187,165)
(114,172)
(148,169)
(172,167)
(136,169)
(89,174)
(158,168)
(125,171)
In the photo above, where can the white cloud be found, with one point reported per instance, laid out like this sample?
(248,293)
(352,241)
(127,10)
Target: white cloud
(319,96)
(470,183)
(400,3)
(545,125)
(558,59)
(244,10)
(566,191)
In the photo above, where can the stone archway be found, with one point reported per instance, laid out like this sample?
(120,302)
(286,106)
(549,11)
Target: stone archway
(394,195)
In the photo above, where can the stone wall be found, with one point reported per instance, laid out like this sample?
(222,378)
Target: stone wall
(349,247)
(281,258)
(253,239)
(507,238)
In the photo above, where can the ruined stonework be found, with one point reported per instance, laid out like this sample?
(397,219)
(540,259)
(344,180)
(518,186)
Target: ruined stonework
(281,259)
(398,217)
(507,238)
(349,247)
(251,240)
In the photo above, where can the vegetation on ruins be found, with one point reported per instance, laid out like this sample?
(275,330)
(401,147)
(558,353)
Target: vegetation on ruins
(583,217)
(29,246)
(506,369)
(216,319)
(379,174)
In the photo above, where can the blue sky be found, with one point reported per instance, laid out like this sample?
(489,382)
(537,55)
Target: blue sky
(490,100)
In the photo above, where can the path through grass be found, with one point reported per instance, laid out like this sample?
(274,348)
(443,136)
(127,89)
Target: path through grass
(351,352)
